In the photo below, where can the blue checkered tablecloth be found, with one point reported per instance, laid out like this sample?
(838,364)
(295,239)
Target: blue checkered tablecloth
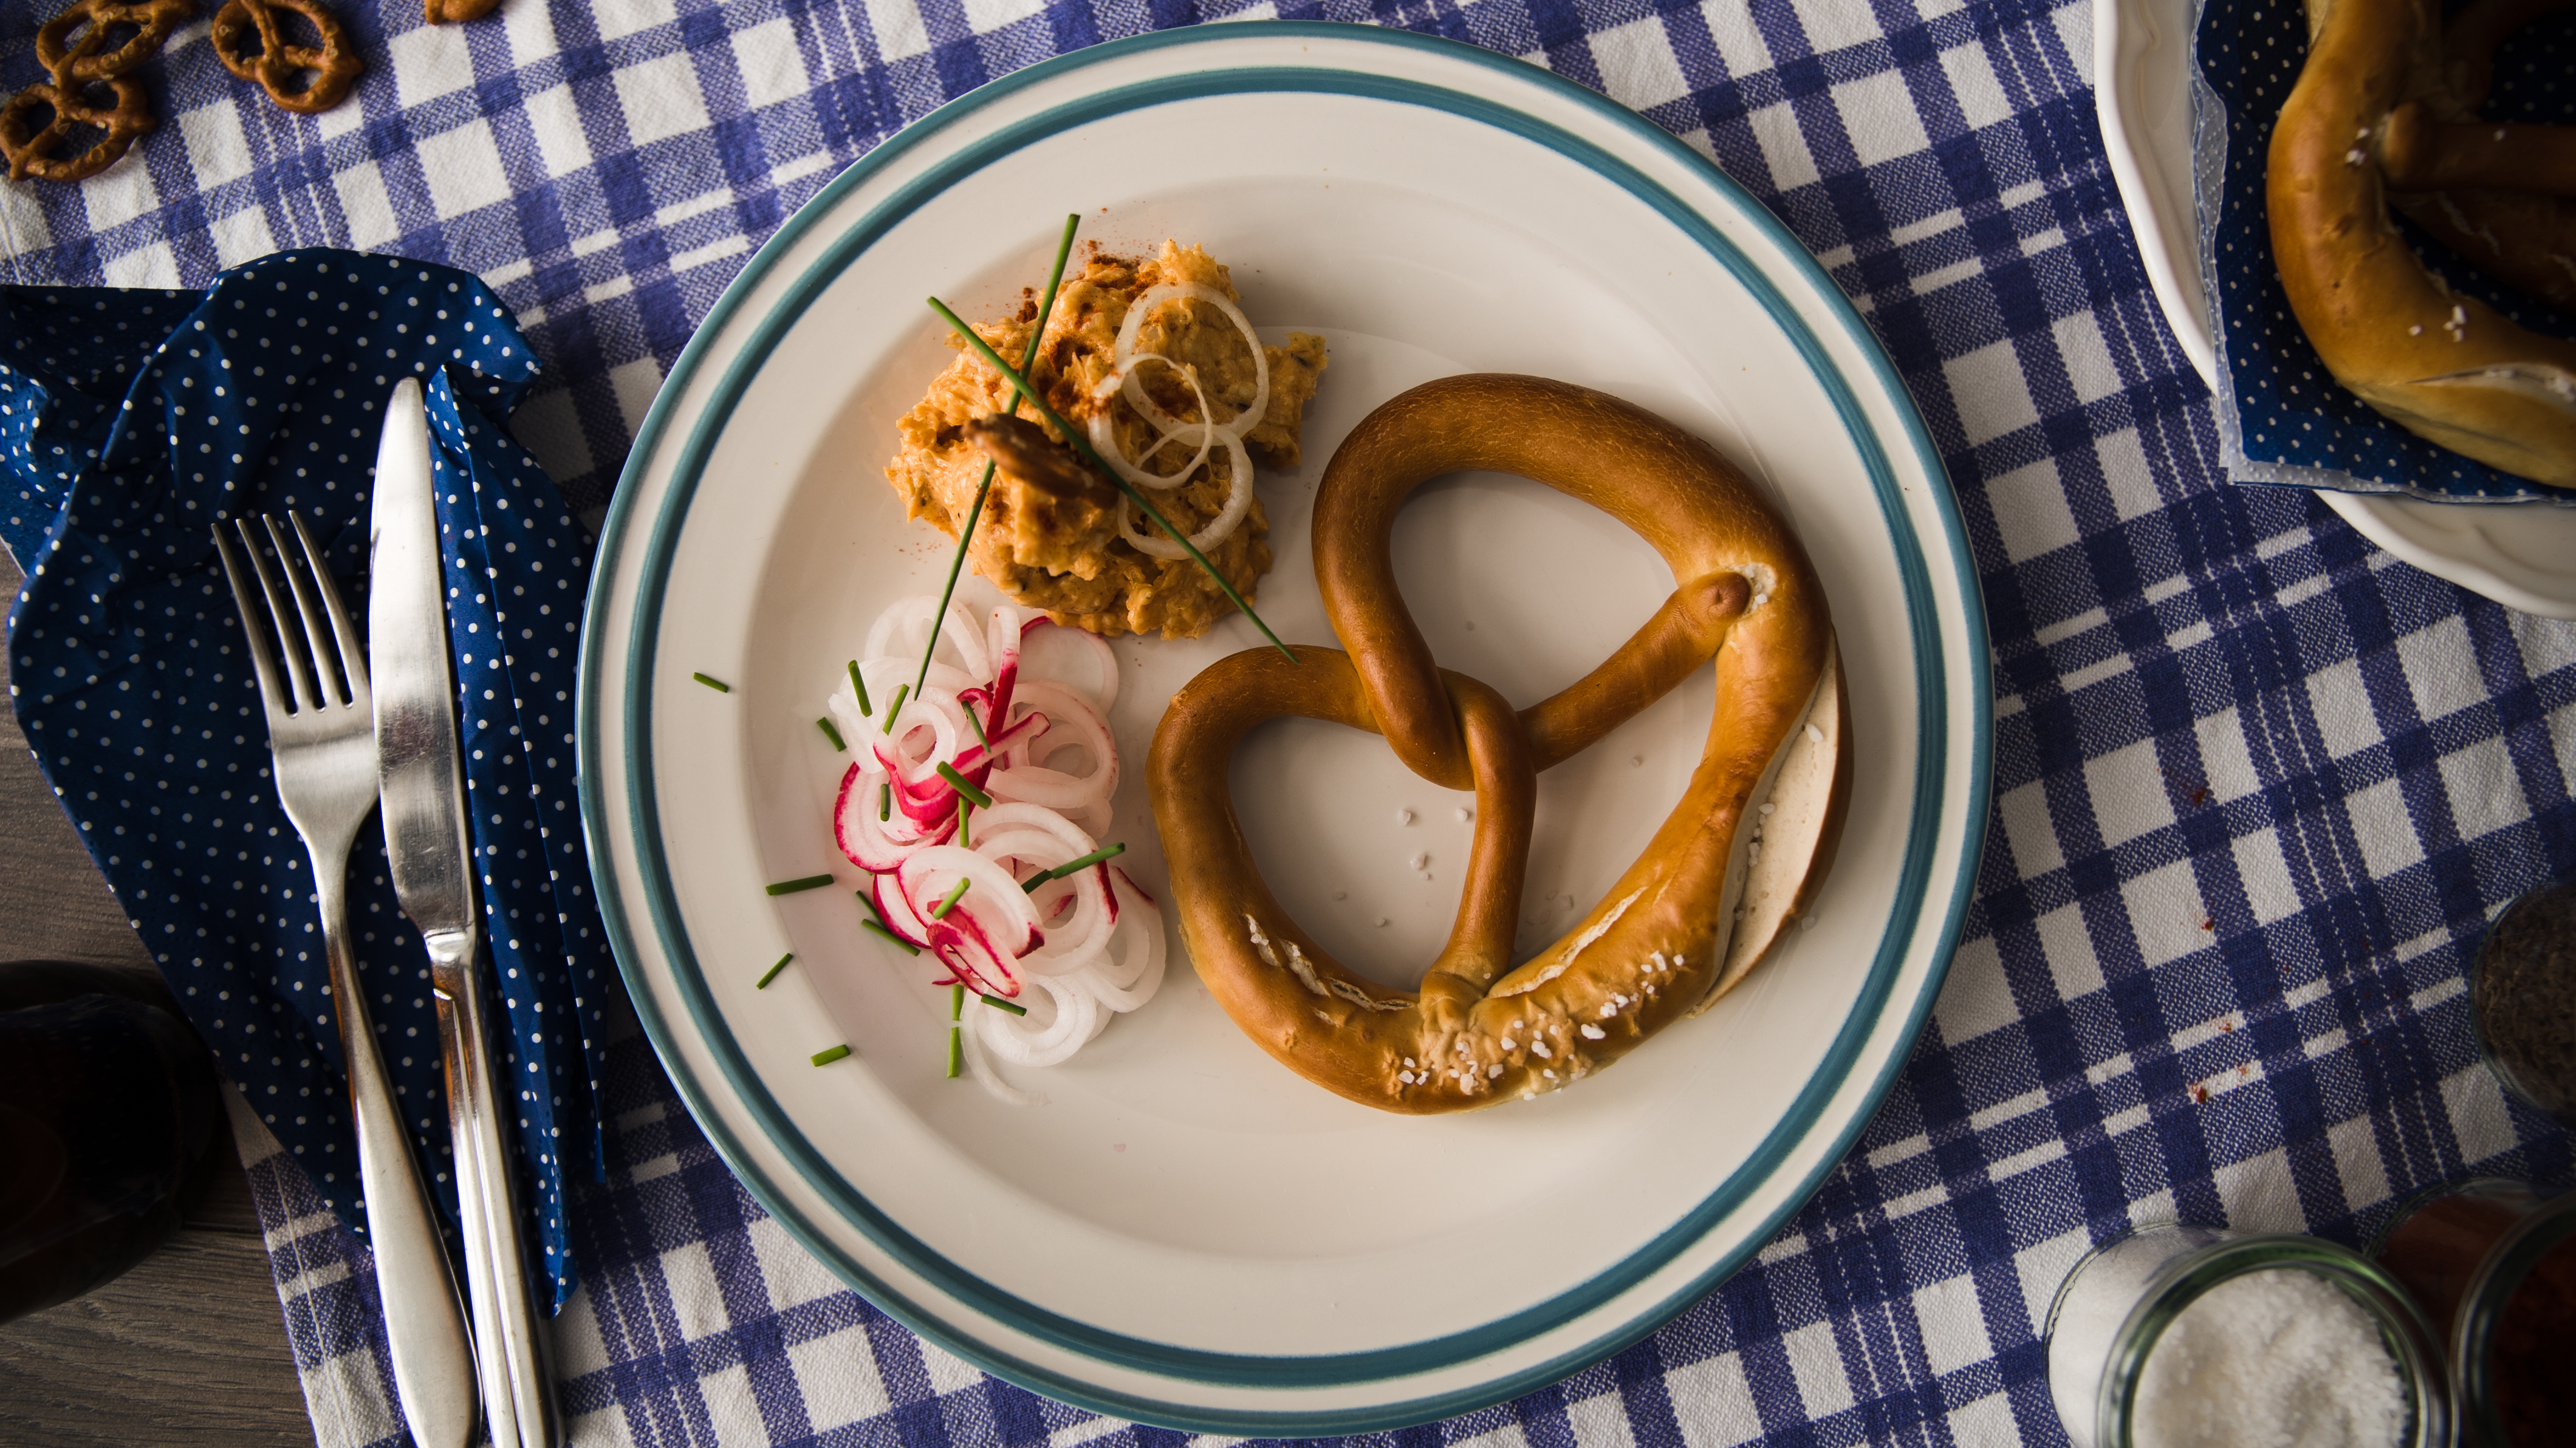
(2258,786)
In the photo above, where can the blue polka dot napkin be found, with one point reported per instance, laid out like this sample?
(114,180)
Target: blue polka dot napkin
(132,420)
(2291,420)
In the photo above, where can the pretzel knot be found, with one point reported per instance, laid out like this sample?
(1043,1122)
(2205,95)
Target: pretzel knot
(2380,118)
(88,59)
(1721,880)
(251,45)
(34,148)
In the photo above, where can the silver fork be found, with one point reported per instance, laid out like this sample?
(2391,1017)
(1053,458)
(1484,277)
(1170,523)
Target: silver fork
(322,740)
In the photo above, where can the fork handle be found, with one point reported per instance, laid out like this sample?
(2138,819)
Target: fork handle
(515,1358)
(432,1363)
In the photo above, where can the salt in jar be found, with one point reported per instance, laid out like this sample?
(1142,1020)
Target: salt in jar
(2175,1336)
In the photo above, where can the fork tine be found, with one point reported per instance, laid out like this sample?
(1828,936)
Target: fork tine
(353,659)
(246,604)
(290,644)
(327,687)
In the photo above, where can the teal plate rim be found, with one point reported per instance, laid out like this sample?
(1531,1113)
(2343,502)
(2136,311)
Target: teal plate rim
(1188,1364)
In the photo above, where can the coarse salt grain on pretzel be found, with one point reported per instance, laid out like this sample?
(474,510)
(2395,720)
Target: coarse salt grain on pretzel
(1736,861)
(2442,365)
(250,42)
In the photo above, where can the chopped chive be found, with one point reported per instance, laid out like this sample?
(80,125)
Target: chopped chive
(860,686)
(1082,444)
(956,1054)
(826,1058)
(963,842)
(870,906)
(897,706)
(975,514)
(1073,867)
(772,974)
(980,736)
(907,946)
(810,882)
(940,910)
(825,724)
(885,800)
(719,685)
(964,786)
(999,1004)
(957,1001)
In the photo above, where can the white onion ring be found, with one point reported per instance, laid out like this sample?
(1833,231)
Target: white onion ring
(1238,502)
(1104,437)
(1072,723)
(1123,357)
(1027,1041)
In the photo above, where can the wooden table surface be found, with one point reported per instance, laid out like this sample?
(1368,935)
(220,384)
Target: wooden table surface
(189,1347)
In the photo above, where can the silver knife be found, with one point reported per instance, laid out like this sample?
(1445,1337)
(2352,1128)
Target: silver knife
(420,777)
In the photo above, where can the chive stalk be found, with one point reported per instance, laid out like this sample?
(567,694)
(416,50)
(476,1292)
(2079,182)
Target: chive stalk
(956,1053)
(975,514)
(963,842)
(810,882)
(1082,444)
(860,686)
(964,786)
(999,1004)
(719,685)
(870,906)
(772,973)
(826,1058)
(948,903)
(980,736)
(957,1001)
(885,800)
(825,724)
(897,706)
(906,946)
(1073,866)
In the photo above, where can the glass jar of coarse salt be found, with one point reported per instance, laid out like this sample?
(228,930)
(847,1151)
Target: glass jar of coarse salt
(2175,1336)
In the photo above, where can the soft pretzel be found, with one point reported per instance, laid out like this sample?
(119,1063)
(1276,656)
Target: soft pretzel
(272,62)
(2502,196)
(2445,366)
(1724,876)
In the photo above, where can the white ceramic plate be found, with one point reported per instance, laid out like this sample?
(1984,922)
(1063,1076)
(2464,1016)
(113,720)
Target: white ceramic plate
(1184,1232)
(2521,555)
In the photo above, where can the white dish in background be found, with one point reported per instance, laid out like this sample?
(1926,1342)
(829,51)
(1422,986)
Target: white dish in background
(1186,1232)
(2522,555)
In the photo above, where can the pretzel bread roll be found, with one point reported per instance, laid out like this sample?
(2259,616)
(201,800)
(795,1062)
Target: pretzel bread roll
(1695,911)
(2444,366)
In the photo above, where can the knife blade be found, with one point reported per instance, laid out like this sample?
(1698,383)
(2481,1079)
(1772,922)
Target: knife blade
(420,781)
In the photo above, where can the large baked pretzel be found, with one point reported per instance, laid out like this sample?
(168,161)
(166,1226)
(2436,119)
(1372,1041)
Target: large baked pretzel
(1728,871)
(2440,364)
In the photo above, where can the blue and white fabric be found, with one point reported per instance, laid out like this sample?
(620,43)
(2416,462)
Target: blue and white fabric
(2259,786)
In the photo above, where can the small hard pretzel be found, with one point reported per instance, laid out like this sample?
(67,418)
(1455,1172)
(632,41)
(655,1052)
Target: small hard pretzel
(73,62)
(1731,867)
(32,148)
(275,63)
(456,12)
(2440,364)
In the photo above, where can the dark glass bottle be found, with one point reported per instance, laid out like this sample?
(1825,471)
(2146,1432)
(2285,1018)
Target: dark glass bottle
(110,1126)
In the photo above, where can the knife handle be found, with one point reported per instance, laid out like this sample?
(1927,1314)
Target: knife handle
(432,1364)
(513,1357)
